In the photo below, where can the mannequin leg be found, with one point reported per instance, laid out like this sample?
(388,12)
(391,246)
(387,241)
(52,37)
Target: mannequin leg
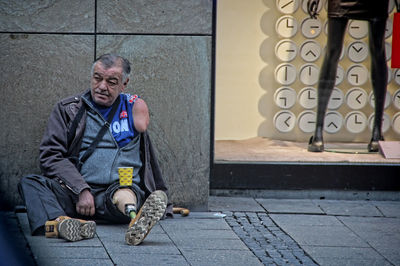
(327,78)
(378,77)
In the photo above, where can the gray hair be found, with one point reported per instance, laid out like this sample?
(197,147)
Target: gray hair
(110,60)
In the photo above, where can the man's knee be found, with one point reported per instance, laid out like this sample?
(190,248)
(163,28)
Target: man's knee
(123,197)
(30,181)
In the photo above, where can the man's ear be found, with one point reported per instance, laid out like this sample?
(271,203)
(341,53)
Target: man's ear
(125,84)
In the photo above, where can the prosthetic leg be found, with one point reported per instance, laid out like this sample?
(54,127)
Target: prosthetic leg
(125,200)
(150,213)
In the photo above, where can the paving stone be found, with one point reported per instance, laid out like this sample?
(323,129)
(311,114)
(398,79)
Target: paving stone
(353,208)
(42,241)
(342,252)
(324,236)
(388,208)
(383,234)
(241,238)
(350,262)
(290,206)
(220,257)
(70,252)
(71,261)
(150,259)
(200,215)
(157,244)
(117,232)
(265,241)
(209,244)
(237,204)
(391,254)
(201,234)
(111,230)
(171,225)
(301,219)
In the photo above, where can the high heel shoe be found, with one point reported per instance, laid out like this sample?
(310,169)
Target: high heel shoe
(373,145)
(315,146)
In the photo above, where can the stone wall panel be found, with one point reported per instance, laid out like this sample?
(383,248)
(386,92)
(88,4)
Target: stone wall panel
(172,74)
(47,16)
(36,71)
(153,16)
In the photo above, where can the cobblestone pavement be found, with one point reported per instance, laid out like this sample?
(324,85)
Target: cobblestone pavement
(235,231)
(266,240)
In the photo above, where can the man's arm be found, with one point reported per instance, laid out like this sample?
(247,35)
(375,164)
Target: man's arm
(54,160)
(140,115)
(53,156)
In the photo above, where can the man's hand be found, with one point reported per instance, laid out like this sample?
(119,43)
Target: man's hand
(312,8)
(85,205)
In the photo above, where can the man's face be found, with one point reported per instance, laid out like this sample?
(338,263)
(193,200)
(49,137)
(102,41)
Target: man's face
(106,84)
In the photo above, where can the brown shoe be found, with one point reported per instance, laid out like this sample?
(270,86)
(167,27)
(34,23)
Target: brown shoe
(70,229)
(150,213)
(51,227)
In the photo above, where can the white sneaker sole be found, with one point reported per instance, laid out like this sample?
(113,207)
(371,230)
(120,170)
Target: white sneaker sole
(75,230)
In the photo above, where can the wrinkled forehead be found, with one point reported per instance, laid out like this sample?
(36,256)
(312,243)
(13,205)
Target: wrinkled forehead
(112,71)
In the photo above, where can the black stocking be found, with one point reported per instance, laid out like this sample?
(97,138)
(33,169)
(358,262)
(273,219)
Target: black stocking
(378,76)
(327,77)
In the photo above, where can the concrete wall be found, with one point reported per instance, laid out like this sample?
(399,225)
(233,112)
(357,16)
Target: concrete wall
(46,51)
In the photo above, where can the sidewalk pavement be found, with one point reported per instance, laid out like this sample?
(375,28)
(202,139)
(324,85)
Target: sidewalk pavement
(235,231)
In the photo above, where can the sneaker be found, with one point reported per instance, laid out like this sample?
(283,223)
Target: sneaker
(70,229)
(150,213)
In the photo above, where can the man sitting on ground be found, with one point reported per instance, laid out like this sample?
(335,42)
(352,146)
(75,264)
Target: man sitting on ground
(98,162)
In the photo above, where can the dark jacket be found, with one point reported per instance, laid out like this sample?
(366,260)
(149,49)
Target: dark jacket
(56,150)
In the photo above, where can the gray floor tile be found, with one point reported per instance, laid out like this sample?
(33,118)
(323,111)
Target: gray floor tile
(233,204)
(342,252)
(70,252)
(324,236)
(367,225)
(192,224)
(388,208)
(391,254)
(383,234)
(71,261)
(201,234)
(150,259)
(300,219)
(209,243)
(351,262)
(355,236)
(290,206)
(220,257)
(199,215)
(348,208)
(156,243)
(42,241)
